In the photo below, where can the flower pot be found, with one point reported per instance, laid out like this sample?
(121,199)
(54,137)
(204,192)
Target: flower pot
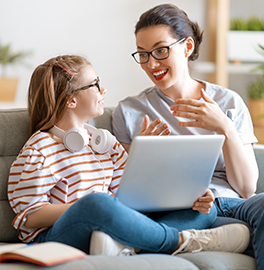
(243,46)
(8,88)
(256,109)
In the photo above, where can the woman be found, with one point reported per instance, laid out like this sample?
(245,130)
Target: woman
(166,40)
(61,183)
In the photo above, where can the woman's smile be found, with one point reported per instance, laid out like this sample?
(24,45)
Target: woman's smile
(159,74)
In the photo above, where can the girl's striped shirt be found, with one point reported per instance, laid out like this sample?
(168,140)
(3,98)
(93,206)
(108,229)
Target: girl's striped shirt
(45,172)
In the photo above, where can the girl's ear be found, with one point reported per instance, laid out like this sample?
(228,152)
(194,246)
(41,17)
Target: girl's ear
(71,103)
(189,46)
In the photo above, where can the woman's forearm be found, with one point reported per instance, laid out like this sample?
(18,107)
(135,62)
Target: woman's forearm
(241,165)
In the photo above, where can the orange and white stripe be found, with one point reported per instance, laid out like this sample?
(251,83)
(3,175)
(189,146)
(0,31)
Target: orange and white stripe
(46,172)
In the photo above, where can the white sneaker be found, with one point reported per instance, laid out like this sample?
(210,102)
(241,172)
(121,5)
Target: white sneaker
(229,238)
(103,244)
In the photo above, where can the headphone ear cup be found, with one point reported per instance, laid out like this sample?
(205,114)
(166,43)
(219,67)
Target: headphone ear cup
(75,139)
(102,141)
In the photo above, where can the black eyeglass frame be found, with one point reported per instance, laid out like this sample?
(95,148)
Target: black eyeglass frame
(151,53)
(89,86)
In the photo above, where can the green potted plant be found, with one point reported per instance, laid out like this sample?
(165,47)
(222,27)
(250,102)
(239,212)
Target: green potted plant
(256,94)
(243,36)
(8,86)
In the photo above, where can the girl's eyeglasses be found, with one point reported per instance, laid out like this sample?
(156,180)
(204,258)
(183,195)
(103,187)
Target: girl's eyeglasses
(88,86)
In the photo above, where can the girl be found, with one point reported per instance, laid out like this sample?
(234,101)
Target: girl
(166,41)
(61,183)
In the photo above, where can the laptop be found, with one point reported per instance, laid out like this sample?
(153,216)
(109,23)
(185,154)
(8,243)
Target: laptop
(165,173)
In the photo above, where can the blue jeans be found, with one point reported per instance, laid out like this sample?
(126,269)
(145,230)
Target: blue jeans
(102,212)
(250,211)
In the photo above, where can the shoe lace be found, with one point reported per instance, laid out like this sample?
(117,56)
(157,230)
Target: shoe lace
(196,241)
(200,238)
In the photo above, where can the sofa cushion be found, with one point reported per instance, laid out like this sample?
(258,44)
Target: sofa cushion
(7,232)
(141,262)
(220,260)
(103,121)
(14,131)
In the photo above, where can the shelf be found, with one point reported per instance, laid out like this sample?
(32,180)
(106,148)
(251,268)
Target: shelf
(218,68)
(243,68)
(240,68)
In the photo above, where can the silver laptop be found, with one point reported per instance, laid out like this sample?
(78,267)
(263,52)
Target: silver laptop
(168,172)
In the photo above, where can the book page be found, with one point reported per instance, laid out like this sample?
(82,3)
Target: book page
(11,247)
(48,253)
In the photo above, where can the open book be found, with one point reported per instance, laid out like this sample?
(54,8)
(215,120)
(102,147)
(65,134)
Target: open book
(47,254)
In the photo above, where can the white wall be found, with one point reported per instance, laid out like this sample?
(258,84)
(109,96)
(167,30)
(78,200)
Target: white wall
(101,30)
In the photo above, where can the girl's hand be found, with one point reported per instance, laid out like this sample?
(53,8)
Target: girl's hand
(204,203)
(203,113)
(155,128)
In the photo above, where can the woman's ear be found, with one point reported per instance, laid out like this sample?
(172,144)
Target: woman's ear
(189,46)
(71,103)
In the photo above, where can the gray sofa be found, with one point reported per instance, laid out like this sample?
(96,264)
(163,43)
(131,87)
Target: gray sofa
(14,131)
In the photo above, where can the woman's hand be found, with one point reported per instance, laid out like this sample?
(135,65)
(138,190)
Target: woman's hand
(204,203)
(240,162)
(203,113)
(155,128)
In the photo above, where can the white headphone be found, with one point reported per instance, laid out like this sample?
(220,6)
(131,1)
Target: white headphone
(76,139)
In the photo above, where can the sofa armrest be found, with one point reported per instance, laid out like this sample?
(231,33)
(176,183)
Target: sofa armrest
(259,153)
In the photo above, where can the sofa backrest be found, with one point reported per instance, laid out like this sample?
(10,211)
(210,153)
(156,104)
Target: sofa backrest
(14,132)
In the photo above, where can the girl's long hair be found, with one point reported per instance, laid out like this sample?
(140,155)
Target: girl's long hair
(50,88)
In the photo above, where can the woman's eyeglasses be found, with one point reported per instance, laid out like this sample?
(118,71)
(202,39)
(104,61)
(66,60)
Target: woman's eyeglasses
(160,53)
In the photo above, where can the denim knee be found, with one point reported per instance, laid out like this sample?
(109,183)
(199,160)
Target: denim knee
(94,200)
(92,206)
(75,226)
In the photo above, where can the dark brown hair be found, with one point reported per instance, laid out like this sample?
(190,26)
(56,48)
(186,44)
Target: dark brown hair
(178,22)
(50,88)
